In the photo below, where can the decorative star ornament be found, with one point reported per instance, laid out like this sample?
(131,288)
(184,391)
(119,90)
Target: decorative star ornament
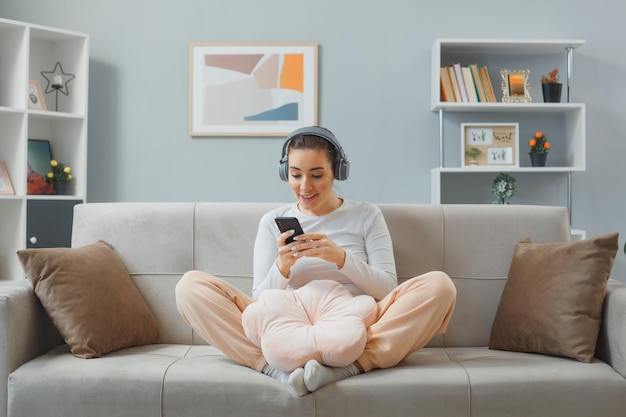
(57,80)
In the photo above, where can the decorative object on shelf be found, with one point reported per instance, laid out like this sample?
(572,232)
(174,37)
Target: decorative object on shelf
(57,81)
(5,181)
(538,159)
(503,188)
(60,177)
(515,86)
(497,144)
(39,156)
(35,96)
(551,87)
(539,147)
(473,153)
(251,89)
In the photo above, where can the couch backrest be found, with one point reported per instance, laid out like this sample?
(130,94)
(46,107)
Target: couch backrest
(158,242)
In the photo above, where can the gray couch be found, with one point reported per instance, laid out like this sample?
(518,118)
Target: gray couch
(455,375)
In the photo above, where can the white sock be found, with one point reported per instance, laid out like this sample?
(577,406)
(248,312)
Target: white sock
(317,375)
(294,379)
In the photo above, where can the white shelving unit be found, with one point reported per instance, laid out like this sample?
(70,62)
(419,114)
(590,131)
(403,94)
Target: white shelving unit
(563,123)
(26,50)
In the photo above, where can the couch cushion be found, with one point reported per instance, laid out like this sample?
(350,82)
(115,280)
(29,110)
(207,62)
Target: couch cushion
(147,381)
(552,301)
(90,298)
(521,384)
(475,381)
(321,321)
(179,380)
(148,238)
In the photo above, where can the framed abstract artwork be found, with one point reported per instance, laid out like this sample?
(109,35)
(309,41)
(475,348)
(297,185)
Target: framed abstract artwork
(251,89)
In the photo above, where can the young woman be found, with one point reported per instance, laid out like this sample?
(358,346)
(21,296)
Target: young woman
(345,241)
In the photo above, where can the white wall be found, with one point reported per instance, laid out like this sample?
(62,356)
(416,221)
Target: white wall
(374,93)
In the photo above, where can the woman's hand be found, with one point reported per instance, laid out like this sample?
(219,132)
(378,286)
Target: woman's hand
(286,258)
(314,245)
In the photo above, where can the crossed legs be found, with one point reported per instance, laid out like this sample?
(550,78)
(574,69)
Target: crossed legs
(408,317)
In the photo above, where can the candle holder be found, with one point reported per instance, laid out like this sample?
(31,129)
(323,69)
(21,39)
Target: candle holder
(57,82)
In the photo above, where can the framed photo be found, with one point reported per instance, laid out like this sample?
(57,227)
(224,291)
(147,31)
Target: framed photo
(5,181)
(39,156)
(515,86)
(251,89)
(35,96)
(490,145)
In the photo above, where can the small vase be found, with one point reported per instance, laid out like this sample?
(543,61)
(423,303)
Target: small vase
(538,159)
(61,187)
(551,92)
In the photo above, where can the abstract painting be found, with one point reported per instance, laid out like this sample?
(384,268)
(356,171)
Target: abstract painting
(251,89)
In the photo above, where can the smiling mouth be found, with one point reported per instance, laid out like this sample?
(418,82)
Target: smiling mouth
(308,197)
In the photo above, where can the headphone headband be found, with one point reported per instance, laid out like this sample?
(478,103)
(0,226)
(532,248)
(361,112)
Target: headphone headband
(341,167)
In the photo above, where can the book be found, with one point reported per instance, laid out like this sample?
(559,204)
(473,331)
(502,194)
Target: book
(480,89)
(484,75)
(455,85)
(458,72)
(447,93)
(469,85)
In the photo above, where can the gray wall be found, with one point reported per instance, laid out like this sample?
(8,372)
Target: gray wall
(373,93)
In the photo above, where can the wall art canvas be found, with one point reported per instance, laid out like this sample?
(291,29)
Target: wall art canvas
(240,89)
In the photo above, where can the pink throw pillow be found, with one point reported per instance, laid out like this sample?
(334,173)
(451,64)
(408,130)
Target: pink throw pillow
(321,321)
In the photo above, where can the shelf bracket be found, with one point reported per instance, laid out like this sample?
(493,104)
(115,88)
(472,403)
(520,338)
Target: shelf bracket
(440,138)
(569,196)
(569,71)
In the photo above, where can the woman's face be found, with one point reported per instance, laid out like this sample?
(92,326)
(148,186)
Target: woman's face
(311,180)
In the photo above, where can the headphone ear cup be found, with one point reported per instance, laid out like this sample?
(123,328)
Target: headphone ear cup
(283,170)
(342,169)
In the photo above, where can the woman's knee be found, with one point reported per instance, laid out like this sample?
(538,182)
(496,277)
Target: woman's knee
(185,283)
(188,286)
(439,285)
(445,284)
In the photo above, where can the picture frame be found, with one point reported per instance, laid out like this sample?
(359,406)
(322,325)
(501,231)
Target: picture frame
(252,89)
(515,86)
(497,145)
(35,96)
(39,156)
(5,180)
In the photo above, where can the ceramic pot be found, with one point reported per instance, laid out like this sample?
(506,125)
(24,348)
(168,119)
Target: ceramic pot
(538,159)
(61,187)
(552,92)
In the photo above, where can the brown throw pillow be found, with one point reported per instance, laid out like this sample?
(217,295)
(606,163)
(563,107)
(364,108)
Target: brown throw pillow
(552,301)
(90,298)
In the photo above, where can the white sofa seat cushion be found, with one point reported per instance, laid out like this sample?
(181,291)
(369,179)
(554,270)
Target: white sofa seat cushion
(199,380)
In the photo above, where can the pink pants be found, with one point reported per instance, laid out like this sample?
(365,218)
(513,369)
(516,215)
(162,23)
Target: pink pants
(408,317)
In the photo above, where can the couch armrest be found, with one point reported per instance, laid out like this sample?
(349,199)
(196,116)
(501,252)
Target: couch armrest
(612,339)
(26,331)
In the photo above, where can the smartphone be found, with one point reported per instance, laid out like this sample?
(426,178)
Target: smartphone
(289,223)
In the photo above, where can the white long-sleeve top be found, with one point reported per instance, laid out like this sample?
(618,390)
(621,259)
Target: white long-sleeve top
(359,228)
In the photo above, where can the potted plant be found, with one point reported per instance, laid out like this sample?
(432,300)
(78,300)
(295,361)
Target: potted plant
(473,153)
(539,147)
(503,188)
(60,177)
(551,87)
